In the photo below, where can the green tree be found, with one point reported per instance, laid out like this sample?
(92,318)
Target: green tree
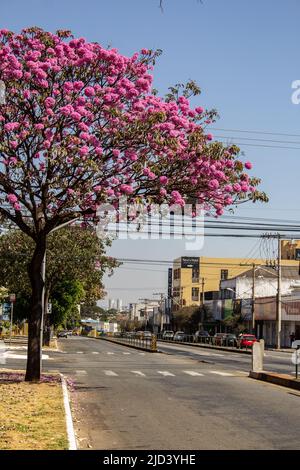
(72,252)
(66,297)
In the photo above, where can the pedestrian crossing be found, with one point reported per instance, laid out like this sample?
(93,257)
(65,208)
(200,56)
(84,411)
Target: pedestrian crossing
(166,373)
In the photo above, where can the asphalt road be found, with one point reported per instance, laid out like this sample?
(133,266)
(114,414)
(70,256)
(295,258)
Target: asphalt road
(274,361)
(127,399)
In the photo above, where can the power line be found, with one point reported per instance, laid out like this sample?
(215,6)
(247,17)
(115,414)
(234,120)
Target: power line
(254,132)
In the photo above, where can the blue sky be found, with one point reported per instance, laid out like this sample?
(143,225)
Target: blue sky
(243,53)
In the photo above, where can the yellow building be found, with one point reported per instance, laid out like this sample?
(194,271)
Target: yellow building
(290,250)
(195,278)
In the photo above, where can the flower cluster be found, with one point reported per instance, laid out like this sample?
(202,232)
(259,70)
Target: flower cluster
(80,125)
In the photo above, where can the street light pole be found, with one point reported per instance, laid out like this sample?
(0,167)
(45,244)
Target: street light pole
(43,273)
(278,298)
(253,298)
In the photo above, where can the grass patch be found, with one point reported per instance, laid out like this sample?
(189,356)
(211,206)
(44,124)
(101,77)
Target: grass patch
(32,415)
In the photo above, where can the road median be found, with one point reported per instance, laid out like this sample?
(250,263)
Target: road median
(284,380)
(32,415)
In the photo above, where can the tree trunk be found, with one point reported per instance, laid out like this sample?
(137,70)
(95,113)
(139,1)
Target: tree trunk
(33,371)
(46,336)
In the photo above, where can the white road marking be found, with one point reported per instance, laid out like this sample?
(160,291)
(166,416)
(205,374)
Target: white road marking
(138,372)
(193,373)
(9,355)
(81,372)
(95,352)
(224,374)
(142,354)
(165,373)
(126,353)
(110,373)
(79,352)
(110,353)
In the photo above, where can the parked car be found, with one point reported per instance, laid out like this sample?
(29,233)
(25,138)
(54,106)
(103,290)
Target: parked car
(138,334)
(246,341)
(218,339)
(168,334)
(179,336)
(147,334)
(229,339)
(63,334)
(201,336)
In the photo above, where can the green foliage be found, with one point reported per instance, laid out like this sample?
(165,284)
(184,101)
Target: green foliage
(66,297)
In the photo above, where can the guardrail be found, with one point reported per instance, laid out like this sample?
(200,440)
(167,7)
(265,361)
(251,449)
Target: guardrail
(147,344)
(205,340)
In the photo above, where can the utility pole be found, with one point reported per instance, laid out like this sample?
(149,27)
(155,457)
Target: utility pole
(202,292)
(162,297)
(202,303)
(253,298)
(278,298)
(145,301)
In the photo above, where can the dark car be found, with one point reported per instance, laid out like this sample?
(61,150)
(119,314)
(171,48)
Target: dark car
(230,339)
(201,336)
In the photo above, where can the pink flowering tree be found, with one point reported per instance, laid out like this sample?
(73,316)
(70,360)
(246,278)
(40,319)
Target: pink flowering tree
(81,125)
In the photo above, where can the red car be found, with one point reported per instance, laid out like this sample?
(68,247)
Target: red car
(246,341)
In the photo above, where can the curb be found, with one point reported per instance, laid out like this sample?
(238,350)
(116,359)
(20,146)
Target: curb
(127,345)
(276,379)
(69,420)
(218,348)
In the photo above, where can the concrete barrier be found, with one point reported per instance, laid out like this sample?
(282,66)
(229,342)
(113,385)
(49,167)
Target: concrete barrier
(284,380)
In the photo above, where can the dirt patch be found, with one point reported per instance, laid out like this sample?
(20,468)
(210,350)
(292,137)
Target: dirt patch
(32,415)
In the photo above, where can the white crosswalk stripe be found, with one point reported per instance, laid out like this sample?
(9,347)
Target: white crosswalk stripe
(138,372)
(126,353)
(110,373)
(224,374)
(110,353)
(81,372)
(193,373)
(165,373)
(142,354)
(95,352)
(79,352)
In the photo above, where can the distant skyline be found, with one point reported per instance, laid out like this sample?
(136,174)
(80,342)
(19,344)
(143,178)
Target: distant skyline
(244,55)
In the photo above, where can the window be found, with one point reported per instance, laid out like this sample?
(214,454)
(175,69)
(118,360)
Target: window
(195,274)
(195,293)
(177,273)
(224,274)
(208,295)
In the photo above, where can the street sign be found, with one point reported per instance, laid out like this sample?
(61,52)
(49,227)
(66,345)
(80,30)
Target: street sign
(189,262)
(12,298)
(296,344)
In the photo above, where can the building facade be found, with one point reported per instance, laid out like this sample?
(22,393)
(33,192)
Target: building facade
(196,279)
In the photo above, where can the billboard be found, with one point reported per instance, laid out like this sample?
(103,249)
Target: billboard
(190,262)
(170,275)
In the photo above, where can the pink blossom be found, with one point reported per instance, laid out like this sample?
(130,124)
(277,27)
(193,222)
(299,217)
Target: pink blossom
(163,179)
(84,150)
(89,91)
(11,126)
(248,165)
(12,198)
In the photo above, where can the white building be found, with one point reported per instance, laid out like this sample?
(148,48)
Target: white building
(240,289)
